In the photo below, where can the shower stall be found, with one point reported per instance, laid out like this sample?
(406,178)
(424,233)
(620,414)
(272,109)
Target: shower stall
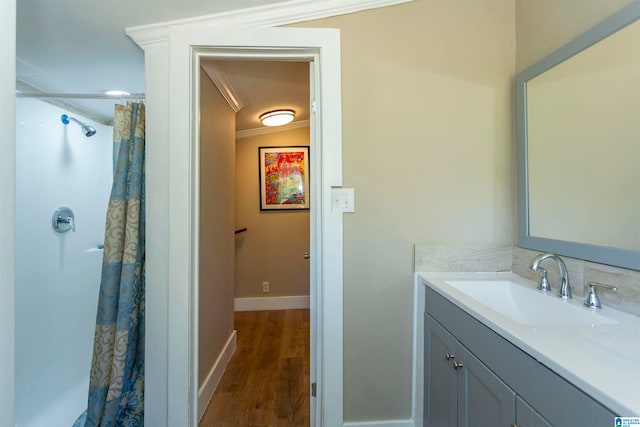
(63,182)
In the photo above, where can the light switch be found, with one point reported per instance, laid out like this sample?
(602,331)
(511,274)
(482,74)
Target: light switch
(343,200)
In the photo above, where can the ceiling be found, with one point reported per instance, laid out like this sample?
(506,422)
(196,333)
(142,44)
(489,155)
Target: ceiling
(80,46)
(263,86)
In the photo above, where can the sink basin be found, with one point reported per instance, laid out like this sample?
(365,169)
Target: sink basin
(528,306)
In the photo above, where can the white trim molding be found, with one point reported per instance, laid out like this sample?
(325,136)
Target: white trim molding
(224,86)
(389,423)
(265,130)
(171,82)
(215,374)
(272,303)
(271,15)
(8,211)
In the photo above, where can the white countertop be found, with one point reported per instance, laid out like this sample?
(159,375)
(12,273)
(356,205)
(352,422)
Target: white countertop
(601,360)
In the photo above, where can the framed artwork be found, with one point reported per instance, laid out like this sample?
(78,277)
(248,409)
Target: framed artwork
(284,178)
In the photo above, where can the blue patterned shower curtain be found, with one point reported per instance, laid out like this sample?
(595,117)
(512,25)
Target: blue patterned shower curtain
(116,388)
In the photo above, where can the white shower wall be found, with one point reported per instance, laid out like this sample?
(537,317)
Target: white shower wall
(57,275)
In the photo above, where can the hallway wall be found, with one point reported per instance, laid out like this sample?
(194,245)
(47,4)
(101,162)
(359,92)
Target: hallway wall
(272,248)
(217,181)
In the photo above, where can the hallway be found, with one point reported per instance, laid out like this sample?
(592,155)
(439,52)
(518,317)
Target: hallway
(267,381)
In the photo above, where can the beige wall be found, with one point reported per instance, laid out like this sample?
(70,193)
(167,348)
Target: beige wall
(427,144)
(217,183)
(272,248)
(543,26)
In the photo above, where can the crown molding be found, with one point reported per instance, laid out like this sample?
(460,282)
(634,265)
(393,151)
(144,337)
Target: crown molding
(272,15)
(265,130)
(224,86)
(150,35)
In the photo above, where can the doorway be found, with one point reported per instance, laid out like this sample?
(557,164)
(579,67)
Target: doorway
(268,379)
(172,56)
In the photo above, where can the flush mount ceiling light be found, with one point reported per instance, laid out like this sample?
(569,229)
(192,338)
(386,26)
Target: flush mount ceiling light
(277,117)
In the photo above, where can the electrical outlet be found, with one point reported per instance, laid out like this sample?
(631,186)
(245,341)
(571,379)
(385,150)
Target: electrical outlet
(265,287)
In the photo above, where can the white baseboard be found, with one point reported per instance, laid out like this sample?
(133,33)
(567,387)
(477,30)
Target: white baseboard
(271,303)
(390,423)
(205,393)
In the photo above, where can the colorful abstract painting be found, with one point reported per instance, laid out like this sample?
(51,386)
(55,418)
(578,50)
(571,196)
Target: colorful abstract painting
(284,178)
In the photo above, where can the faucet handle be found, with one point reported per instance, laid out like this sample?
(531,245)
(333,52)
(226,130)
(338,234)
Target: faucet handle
(543,283)
(591,299)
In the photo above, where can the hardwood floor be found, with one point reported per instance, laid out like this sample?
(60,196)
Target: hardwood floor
(267,381)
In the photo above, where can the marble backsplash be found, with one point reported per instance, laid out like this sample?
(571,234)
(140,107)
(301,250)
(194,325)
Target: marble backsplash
(487,258)
(440,257)
(626,298)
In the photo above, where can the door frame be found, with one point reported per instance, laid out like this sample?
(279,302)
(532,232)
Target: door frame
(310,56)
(8,212)
(172,254)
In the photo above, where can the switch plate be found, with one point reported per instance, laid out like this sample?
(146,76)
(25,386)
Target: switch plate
(343,200)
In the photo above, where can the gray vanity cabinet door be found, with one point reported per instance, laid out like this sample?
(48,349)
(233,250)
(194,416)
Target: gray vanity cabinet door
(440,394)
(484,400)
(526,416)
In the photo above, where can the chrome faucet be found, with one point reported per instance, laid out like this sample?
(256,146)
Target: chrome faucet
(591,299)
(564,290)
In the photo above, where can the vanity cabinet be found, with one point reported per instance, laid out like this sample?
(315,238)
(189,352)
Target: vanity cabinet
(461,390)
(441,380)
(527,416)
(473,377)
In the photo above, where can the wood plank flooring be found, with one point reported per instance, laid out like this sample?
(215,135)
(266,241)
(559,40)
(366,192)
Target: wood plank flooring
(267,381)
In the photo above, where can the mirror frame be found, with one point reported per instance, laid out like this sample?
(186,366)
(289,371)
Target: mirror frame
(625,258)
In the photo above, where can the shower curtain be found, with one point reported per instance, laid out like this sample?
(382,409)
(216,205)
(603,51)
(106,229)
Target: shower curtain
(116,387)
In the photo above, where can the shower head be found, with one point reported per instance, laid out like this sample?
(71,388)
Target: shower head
(86,129)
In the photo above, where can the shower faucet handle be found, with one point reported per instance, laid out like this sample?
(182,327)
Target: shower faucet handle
(63,220)
(67,220)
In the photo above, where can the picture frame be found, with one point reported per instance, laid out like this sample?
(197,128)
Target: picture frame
(284,178)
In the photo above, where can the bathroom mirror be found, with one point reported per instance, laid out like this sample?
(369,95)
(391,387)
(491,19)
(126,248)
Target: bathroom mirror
(578,129)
